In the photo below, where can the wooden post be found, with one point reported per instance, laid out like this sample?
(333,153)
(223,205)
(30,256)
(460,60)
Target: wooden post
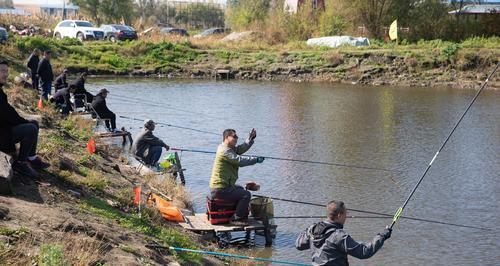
(179,167)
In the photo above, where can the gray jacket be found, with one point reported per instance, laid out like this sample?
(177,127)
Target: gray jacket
(330,244)
(143,141)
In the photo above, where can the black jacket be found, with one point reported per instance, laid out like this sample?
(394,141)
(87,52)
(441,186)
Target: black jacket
(80,86)
(330,244)
(8,119)
(145,140)
(45,71)
(99,105)
(33,61)
(62,96)
(60,82)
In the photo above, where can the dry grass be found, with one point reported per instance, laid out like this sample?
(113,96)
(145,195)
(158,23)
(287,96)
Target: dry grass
(171,188)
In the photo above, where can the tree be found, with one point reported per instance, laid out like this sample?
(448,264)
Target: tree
(107,10)
(90,8)
(243,13)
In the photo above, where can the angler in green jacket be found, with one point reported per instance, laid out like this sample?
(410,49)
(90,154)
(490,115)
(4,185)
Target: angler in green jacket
(228,160)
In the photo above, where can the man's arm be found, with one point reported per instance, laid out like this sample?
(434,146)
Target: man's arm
(11,116)
(362,250)
(244,147)
(236,159)
(303,242)
(153,140)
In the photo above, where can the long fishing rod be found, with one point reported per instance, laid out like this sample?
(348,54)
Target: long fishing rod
(170,125)
(400,210)
(378,213)
(323,217)
(213,253)
(297,160)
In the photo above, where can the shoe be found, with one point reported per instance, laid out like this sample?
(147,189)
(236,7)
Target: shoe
(38,163)
(24,168)
(116,131)
(239,221)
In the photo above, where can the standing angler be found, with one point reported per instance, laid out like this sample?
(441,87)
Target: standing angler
(45,74)
(33,61)
(330,244)
(228,160)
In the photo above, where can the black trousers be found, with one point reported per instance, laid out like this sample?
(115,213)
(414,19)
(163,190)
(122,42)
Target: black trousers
(35,82)
(27,135)
(110,118)
(235,193)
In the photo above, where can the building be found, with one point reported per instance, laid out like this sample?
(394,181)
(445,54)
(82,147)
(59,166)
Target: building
(14,11)
(293,6)
(57,10)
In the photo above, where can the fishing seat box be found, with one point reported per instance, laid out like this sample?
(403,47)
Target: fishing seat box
(220,211)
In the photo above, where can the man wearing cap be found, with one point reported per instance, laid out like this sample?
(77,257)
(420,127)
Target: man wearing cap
(147,147)
(102,111)
(60,82)
(228,160)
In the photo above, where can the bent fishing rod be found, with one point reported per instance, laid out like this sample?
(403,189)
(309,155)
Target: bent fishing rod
(386,215)
(398,213)
(297,160)
(228,255)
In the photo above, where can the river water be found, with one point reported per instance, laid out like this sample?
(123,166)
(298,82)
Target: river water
(383,127)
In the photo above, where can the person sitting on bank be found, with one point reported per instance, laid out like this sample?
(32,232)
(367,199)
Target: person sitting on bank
(102,111)
(228,160)
(45,74)
(81,92)
(147,147)
(15,129)
(60,82)
(62,99)
(33,61)
(330,244)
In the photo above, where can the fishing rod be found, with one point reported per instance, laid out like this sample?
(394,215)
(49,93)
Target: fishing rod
(213,253)
(378,213)
(323,217)
(400,210)
(296,160)
(170,125)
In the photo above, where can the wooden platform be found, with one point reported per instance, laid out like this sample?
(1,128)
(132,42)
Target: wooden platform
(124,134)
(200,223)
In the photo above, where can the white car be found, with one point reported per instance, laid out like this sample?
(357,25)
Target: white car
(80,29)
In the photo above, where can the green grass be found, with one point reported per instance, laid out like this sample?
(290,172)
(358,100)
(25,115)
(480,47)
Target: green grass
(166,236)
(51,255)
(16,233)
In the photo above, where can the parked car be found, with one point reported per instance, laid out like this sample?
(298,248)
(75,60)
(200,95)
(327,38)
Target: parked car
(175,31)
(115,32)
(4,35)
(210,32)
(80,29)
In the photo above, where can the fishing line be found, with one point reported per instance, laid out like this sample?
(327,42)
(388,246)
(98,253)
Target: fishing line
(376,213)
(400,210)
(296,160)
(170,125)
(213,253)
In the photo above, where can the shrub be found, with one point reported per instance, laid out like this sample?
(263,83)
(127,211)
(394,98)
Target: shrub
(51,255)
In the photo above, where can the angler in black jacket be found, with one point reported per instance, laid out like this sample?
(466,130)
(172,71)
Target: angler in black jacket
(330,244)
(60,82)
(33,61)
(81,93)
(62,99)
(102,110)
(45,74)
(15,129)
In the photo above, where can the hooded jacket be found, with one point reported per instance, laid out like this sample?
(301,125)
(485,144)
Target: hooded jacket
(8,119)
(330,244)
(143,141)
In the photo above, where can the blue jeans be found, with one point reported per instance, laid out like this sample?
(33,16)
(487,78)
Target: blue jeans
(154,155)
(46,89)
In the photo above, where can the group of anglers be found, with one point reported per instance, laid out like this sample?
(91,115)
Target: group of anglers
(329,243)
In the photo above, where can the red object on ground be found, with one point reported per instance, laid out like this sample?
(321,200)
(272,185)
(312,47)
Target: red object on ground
(40,104)
(137,197)
(91,146)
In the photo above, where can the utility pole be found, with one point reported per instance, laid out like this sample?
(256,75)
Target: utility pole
(64,10)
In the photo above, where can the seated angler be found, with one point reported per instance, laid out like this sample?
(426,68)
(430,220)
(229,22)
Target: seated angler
(330,244)
(60,82)
(15,129)
(62,99)
(102,111)
(228,160)
(81,94)
(147,147)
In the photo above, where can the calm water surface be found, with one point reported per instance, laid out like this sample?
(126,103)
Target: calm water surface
(386,127)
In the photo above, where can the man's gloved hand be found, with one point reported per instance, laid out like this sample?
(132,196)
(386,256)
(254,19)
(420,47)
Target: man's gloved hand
(260,159)
(386,234)
(252,135)
(167,147)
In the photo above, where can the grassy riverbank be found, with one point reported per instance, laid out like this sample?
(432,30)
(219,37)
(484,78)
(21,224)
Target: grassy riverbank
(426,63)
(81,212)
